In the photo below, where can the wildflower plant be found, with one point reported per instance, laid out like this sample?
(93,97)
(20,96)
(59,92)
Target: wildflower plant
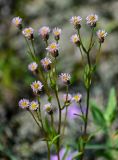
(46,70)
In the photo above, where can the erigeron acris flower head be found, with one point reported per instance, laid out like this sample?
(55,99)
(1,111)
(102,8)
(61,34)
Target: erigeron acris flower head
(76,21)
(33,66)
(44,32)
(91,20)
(53,48)
(65,78)
(17,21)
(36,86)
(34,105)
(67,98)
(75,39)
(48,108)
(28,33)
(46,63)
(23,103)
(77,98)
(57,33)
(101,35)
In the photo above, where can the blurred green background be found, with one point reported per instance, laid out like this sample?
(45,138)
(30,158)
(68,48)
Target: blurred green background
(17,138)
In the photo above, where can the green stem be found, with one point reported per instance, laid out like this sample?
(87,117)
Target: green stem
(81,109)
(48,147)
(66,111)
(98,54)
(52,121)
(84,49)
(91,40)
(34,119)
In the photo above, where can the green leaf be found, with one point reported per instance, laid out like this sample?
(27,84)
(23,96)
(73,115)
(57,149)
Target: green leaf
(110,112)
(77,155)
(98,116)
(54,139)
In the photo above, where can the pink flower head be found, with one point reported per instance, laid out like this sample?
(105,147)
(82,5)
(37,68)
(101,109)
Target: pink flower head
(77,98)
(53,48)
(24,103)
(76,21)
(36,86)
(33,66)
(44,32)
(57,33)
(75,39)
(67,98)
(65,78)
(48,108)
(34,105)
(46,63)
(28,33)
(17,21)
(92,19)
(101,35)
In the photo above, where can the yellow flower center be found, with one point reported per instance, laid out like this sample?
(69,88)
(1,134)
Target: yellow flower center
(92,18)
(28,31)
(46,62)
(36,85)
(33,67)
(101,34)
(56,33)
(75,20)
(24,104)
(17,21)
(75,39)
(48,108)
(33,105)
(77,98)
(53,46)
